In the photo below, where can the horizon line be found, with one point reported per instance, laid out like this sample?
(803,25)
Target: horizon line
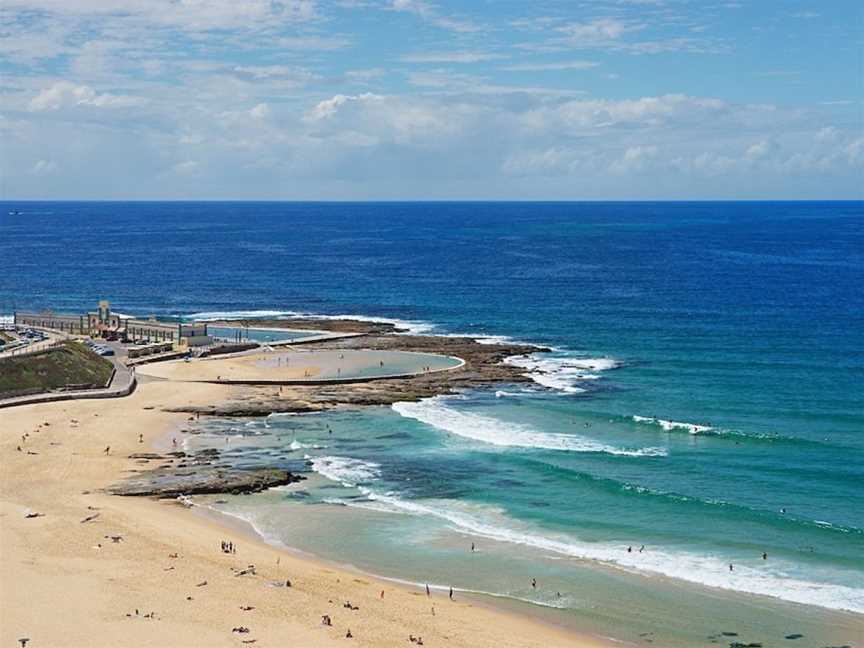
(428,200)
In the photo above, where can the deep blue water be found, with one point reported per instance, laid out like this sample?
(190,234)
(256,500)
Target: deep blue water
(745,318)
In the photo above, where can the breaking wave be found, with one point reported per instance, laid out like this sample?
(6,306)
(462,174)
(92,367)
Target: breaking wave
(692,428)
(563,373)
(707,570)
(345,470)
(435,412)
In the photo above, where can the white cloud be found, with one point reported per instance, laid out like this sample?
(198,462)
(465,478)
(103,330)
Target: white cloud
(577,115)
(328,108)
(634,159)
(827,134)
(313,43)
(43,167)
(260,111)
(758,150)
(365,75)
(596,31)
(64,94)
(187,167)
(430,13)
(450,57)
(559,65)
(192,15)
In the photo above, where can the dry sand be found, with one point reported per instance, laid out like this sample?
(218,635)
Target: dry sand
(64,582)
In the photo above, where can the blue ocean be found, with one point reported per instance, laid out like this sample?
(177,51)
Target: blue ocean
(688,459)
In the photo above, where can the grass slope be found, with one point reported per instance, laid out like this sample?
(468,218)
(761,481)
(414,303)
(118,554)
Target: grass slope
(68,365)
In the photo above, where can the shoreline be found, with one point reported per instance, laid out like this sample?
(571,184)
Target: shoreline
(56,568)
(492,602)
(166,405)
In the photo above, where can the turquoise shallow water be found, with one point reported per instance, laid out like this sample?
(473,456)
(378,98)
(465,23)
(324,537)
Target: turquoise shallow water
(704,398)
(256,335)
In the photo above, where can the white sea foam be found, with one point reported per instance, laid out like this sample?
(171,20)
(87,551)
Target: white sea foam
(296,445)
(436,412)
(345,470)
(563,373)
(712,571)
(692,428)
(501,393)
(488,339)
(237,314)
(412,327)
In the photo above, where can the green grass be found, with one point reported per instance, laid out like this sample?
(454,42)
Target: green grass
(68,365)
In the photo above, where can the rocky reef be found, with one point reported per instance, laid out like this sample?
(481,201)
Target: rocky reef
(484,366)
(177,474)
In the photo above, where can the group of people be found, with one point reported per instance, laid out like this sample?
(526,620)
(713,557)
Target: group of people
(228,547)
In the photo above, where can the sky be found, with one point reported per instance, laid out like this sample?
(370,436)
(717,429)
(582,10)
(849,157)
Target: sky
(432,99)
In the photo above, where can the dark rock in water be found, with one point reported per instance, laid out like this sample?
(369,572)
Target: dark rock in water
(170,481)
(794,636)
(145,455)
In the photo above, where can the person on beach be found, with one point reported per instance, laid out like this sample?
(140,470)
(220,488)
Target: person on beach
(348,634)
(731,568)
(534,583)
(427,591)
(140,438)
(107,450)
(451,593)
(472,546)
(629,549)
(642,548)
(764,556)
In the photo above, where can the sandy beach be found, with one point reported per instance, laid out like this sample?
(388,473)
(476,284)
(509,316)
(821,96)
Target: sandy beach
(140,572)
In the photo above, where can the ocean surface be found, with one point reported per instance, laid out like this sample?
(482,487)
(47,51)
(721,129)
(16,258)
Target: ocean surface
(702,405)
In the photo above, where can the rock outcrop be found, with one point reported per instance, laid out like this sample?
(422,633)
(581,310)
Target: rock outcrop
(484,365)
(181,474)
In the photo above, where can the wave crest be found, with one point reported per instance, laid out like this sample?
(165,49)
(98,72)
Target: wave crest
(435,412)
(563,373)
(345,470)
